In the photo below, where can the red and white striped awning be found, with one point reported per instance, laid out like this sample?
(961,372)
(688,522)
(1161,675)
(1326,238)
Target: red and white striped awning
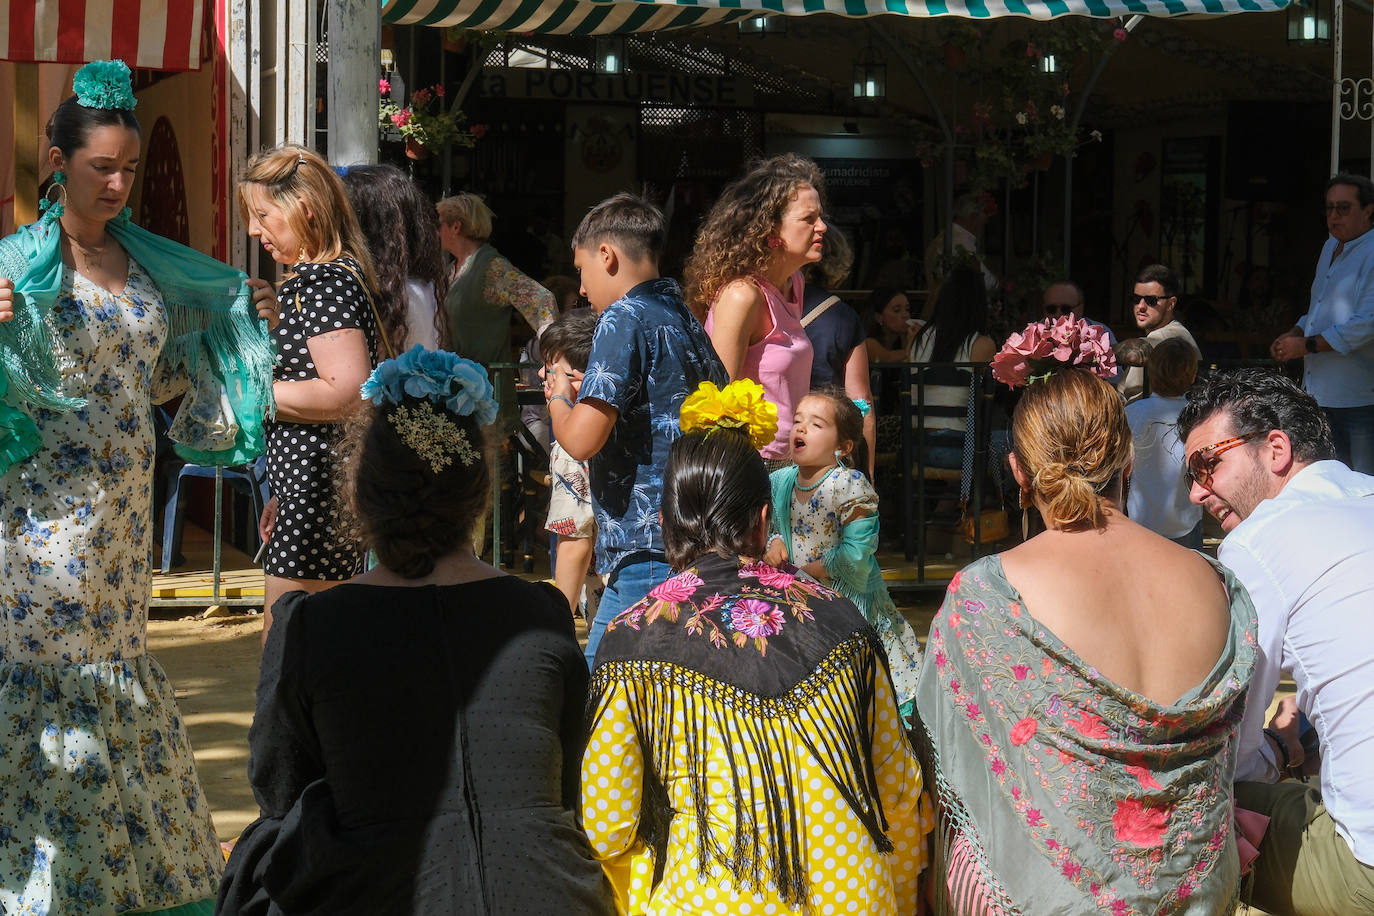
(153,34)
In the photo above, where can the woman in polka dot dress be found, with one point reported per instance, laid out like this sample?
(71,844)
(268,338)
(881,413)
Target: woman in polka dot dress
(746,755)
(294,204)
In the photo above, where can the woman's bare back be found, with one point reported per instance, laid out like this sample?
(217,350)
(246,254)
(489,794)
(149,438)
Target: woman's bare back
(1148,614)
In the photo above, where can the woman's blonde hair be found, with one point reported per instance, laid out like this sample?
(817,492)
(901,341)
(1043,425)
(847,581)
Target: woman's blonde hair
(311,197)
(469,209)
(733,240)
(1070,436)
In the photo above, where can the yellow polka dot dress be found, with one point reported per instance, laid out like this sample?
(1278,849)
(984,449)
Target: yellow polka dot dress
(746,754)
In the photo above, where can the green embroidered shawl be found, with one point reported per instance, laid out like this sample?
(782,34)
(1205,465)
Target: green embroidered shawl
(214,335)
(1061,792)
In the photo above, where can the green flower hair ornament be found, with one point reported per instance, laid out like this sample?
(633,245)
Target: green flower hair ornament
(105,84)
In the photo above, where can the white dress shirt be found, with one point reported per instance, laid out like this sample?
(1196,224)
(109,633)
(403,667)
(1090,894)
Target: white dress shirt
(1342,312)
(1307,558)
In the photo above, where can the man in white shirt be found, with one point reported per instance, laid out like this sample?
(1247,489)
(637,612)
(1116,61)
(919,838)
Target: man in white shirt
(1300,536)
(1152,301)
(1336,337)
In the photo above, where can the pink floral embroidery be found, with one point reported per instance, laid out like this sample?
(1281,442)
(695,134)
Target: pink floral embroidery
(1147,779)
(1033,817)
(954,583)
(677,589)
(756,619)
(767,575)
(1089,725)
(974,607)
(1138,823)
(998,767)
(941,659)
(1071,870)
(1120,908)
(1023,731)
(973,710)
(955,619)
(1021,671)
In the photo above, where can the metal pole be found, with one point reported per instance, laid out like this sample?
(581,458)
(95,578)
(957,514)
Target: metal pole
(215,537)
(355,50)
(1337,39)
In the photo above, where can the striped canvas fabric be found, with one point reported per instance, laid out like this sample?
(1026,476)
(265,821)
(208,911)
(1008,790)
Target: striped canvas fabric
(599,17)
(156,34)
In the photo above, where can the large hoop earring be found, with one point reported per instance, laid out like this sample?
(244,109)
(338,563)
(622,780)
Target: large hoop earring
(58,200)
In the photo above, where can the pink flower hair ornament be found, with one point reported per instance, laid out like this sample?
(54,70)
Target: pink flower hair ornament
(1045,346)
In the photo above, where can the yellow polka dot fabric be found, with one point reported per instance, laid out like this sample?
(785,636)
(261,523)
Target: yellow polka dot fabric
(846,872)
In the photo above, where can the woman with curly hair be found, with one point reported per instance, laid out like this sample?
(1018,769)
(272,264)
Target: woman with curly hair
(744,280)
(400,225)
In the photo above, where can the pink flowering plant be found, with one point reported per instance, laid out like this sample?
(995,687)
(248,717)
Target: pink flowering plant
(424,119)
(1053,344)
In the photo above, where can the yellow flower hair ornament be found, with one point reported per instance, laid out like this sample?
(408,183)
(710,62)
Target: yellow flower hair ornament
(739,405)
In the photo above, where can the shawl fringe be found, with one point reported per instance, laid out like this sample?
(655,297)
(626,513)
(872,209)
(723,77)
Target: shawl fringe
(679,706)
(231,353)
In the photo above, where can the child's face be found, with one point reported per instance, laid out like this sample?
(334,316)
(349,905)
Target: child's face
(560,367)
(895,314)
(814,436)
(597,286)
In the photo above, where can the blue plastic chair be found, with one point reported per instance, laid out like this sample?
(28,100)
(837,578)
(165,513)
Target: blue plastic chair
(249,479)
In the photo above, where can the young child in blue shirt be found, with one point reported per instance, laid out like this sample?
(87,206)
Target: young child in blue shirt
(648,353)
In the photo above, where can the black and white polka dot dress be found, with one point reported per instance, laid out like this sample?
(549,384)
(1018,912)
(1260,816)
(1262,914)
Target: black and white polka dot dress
(307,542)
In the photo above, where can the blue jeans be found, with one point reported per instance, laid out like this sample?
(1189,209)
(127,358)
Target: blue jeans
(1352,431)
(632,584)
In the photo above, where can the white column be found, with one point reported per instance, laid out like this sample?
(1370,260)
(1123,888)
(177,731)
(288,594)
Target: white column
(355,47)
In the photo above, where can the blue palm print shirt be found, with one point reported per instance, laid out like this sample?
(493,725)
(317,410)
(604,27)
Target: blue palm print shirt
(649,352)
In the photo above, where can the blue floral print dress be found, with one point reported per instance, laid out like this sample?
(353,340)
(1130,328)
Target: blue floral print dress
(100,807)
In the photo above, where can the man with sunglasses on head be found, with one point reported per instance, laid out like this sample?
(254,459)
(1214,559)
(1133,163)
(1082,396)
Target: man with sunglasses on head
(1336,337)
(1300,536)
(1152,302)
(1065,297)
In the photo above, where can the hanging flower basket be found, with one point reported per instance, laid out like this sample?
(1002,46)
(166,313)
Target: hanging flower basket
(416,150)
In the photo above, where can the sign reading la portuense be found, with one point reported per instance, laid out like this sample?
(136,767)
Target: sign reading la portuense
(681,89)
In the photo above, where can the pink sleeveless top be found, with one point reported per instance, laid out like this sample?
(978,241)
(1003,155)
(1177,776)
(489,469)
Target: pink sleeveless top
(781,361)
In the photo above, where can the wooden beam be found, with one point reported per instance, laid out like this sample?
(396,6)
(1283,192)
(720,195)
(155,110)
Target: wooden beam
(26,133)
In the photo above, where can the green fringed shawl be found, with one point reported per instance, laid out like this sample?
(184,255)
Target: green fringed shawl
(214,335)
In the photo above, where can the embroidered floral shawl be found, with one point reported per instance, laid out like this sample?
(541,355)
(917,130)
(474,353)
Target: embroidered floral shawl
(748,645)
(1061,792)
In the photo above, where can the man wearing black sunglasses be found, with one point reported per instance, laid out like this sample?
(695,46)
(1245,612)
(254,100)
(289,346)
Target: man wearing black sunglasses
(1064,298)
(1335,339)
(1152,302)
(1300,537)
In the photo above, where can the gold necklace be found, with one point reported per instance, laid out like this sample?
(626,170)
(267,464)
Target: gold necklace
(92,257)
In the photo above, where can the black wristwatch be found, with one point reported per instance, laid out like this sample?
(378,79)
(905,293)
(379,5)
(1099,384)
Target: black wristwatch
(1310,343)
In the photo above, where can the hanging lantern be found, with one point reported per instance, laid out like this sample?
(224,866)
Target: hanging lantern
(870,75)
(763,25)
(609,55)
(1309,22)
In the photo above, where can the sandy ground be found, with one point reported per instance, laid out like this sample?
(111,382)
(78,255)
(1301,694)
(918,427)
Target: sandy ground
(213,666)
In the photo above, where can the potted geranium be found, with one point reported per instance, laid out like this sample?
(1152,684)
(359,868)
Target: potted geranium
(423,124)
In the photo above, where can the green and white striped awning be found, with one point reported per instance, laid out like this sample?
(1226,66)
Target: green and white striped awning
(602,17)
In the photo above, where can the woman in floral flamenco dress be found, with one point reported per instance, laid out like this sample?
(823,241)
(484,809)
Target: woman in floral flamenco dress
(100,808)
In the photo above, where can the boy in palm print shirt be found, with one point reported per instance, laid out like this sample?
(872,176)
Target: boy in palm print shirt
(647,354)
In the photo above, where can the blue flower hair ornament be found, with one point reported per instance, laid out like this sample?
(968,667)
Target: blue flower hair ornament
(445,378)
(105,84)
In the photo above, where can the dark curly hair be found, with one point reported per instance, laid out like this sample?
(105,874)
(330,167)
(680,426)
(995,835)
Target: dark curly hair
(402,231)
(733,240)
(713,487)
(1257,401)
(392,500)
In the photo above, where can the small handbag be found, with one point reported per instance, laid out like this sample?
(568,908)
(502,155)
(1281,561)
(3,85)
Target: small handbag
(994,526)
